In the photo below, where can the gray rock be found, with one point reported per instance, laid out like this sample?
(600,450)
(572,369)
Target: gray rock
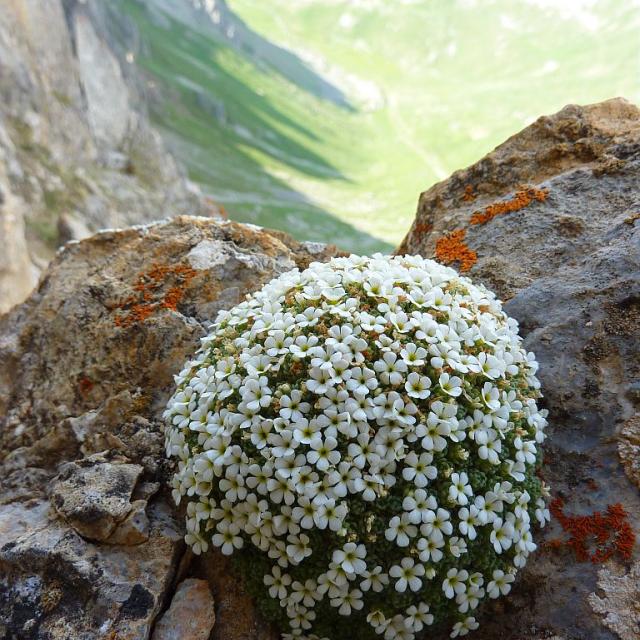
(94,497)
(134,529)
(56,584)
(191,615)
(568,266)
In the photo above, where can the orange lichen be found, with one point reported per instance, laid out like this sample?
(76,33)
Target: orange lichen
(469,195)
(452,248)
(607,532)
(151,294)
(85,385)
(522,198)
(422,227)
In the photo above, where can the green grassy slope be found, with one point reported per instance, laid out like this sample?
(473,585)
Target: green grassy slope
(431,86)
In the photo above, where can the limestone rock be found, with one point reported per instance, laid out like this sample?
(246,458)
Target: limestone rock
(551,215)
(618,600)
(55,584)
(629,448)
(134,529)
(94,496)
(86,367)
(191,615)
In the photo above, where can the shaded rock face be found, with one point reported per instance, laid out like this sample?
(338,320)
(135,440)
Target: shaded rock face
(77,152)
(549,220)
(89,544)
(191,614)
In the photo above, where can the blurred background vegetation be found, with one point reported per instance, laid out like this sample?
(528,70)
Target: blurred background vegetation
(327,118)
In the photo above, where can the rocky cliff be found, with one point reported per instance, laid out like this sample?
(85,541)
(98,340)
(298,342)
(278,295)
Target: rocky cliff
(71,160)
(550,220)
(89,544)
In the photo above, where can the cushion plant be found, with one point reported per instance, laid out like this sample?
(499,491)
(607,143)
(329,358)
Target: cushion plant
(363,436)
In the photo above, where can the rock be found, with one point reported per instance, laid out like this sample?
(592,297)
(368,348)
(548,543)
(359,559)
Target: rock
(134,529)
(191,615)
(235,612)
(86,367)
(94,496)
(617,600)
(549,221)
(55,584)
(629,448)
(17,273)
(77,150)
(101,76)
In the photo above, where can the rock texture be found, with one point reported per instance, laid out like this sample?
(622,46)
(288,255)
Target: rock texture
(191,615)
(89,545)
(71,161)
(550,221)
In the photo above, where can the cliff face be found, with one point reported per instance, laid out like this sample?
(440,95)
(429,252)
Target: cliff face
(77,152)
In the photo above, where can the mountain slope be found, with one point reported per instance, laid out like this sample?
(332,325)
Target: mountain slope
(288,111)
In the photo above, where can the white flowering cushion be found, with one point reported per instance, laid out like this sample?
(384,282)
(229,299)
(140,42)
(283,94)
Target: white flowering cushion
(364,436)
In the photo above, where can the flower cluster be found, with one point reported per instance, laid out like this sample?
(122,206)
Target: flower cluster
(366,433)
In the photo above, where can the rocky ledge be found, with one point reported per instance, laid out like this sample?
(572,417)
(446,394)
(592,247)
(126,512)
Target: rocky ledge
(90,546)
(550,220)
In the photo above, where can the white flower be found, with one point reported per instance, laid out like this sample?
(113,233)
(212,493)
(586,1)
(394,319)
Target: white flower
(502,535)
(303,345)
(413,355)
(419,469)
(292,408)
(320,380)
(374,579)
(347,601)
(491,396)
(454,583)
(362,380)
(419,506)
(457,546)
(430,548)
(460,490)
(277,583)
(463,628)
(437,523)
(418,617)
(331,515)
(351,558)
(305,593)
(452,385)
(323,452)
(469,520)
(401,530)
(354,394)
(305,513)
(390,368)
(227,537)
(501,584)
(298,548)
(418,386)
(407,573)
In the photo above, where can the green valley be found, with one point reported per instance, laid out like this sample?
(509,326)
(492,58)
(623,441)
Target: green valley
(326,118)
